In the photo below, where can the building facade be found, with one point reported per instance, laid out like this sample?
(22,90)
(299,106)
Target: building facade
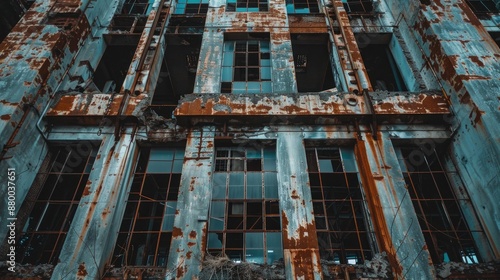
(148,136)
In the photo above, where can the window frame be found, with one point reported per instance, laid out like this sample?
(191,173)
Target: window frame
(428,167)
(302,6)
(245,205)
(247,6)
(150,212)
(57,201)
(246,66)
(337,165)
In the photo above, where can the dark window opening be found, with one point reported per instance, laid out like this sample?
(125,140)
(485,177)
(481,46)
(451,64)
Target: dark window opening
(484,7)
(10,13)
(146,230)
(177,73)
(137,7)
(65,21)
(113,67)
(380,64)
(302,6)
(313,69)
(245,213)
(63,183)
(496,37)
(445,229)
(247,6)
(128,23)
(358,7)
(345,235)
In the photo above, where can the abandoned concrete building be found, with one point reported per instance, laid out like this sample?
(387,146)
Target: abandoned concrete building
(238,139)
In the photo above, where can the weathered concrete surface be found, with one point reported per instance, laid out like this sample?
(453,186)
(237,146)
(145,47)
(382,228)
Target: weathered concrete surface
(467,63)
(191,218)
(395,221)
(313,104)
(90,241)
(275,22)
(36,58)
(300,242)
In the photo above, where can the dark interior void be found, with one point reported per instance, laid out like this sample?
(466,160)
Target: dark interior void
(10,13)
(128,23)
(114,65)
(484,8)
(312,62)
(379,62)
(496,37)
(178,71)
(358,6)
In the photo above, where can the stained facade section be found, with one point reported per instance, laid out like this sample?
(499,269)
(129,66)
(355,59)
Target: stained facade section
(320,139)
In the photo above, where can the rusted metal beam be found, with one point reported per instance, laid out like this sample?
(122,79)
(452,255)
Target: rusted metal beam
(91,108)
(147,52)
(311,106)
(352,63)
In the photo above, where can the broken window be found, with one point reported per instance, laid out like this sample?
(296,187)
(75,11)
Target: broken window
(358,6)
(302,6)
(313,71)
(178,68)
(146,230)
(128,23)
(382,68)
(191,7)
(137,7)
(481,7)
(244,213)
(446,232)
(246,67)
(246,5)
(343,226)
(113,67)
(63,183)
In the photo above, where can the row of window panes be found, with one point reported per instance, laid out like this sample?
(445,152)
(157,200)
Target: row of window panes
(247,6)
(255,247)
(252,185)
(249,185)
(150,209)
(445,230)
(238,159)
(191,7)
(331,160)
(51,216)
(302,6)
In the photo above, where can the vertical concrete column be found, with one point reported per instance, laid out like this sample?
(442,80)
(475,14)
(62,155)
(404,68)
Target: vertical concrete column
(283,67)
(465,58)
(190,226)
(300,242)
(396,224)
(92,235)
(208,73)
(27,158)
(282,63)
